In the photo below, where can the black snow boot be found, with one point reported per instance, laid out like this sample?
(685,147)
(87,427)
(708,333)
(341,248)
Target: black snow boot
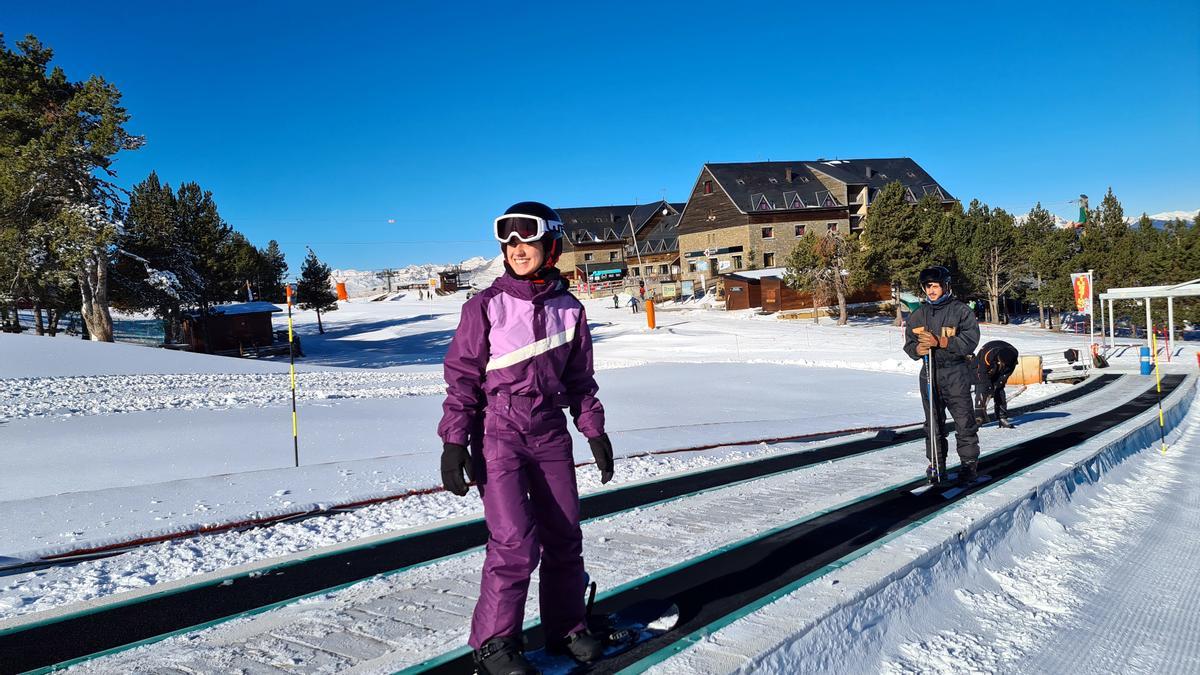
(1004,423)
(968,472)
(503,656)
(582,646)
(933,477)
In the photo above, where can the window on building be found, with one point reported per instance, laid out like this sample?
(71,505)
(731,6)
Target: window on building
(768,233)
(708,187)
(691,267)
(664,269)
(612,255)
(587,257)
(799,230)
(634,272)
(737,262)
(831,227)
(768,259)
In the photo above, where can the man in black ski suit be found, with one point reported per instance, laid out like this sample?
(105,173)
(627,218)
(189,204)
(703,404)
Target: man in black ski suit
(946,328)
(994,363)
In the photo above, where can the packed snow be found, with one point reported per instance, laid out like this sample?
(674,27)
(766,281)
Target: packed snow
(108,443)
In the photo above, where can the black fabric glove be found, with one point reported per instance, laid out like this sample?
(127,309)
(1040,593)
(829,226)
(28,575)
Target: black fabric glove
(602,451)
(455,461)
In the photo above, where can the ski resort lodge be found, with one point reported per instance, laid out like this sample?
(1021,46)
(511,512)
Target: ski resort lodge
(739,218)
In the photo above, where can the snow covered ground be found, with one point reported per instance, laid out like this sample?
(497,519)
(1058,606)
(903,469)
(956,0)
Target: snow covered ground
(108,443)
(396,620)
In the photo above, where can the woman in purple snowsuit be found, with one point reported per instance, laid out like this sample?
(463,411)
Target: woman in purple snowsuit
(522,353)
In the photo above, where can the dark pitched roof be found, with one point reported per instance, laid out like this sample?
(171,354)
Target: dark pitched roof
(594,224)
(612,224)
(763,186)
(664,236)
(877,173)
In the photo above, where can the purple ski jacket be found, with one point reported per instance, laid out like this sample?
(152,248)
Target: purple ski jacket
(521,353)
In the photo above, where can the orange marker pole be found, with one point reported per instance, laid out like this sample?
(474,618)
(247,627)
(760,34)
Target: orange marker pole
(650,314)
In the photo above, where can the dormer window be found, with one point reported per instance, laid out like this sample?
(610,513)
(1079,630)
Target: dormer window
(708,187)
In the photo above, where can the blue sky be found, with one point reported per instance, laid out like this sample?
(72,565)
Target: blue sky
(316,123)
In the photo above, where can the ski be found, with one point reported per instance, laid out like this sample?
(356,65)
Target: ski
(957,490)
(621,631)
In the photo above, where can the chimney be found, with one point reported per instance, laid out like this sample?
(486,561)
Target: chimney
(870,172)
(789,174)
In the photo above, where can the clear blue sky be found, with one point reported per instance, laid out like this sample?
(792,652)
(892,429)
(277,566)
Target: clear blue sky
(317,122)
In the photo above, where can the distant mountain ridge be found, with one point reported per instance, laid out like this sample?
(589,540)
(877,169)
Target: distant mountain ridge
(366,282)
(1159,219)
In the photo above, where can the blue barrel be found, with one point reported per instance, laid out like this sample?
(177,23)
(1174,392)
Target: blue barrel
(1146,367)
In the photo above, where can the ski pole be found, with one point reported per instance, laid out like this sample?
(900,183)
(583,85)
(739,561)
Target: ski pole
(933,431)
(1162,437)
(292,369)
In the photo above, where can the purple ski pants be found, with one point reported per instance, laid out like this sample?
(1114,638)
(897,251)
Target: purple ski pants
(531,506)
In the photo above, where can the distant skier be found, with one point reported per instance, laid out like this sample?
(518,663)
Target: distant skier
(522,353)
(994,363)
(633,304)
(950,333)
(616,301)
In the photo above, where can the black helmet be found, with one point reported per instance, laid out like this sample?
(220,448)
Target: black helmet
(540,223)
(937,274)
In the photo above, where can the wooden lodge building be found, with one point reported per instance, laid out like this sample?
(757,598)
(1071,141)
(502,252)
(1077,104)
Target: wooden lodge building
(749,215)
(626,244)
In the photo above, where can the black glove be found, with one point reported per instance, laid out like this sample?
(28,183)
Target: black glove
(602,451)
(455,461)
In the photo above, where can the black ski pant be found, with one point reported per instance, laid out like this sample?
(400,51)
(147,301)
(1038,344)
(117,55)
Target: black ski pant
(952,389)
(994,390)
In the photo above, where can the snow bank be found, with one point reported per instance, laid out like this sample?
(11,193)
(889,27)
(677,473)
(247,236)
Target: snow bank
(844,620)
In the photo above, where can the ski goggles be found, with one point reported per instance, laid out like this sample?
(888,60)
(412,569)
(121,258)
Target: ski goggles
(525,228)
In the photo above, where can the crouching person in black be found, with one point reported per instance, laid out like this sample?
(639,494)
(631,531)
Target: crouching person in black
(994,364)
(946,328)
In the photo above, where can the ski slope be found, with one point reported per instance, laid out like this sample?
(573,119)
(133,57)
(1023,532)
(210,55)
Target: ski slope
(110,443)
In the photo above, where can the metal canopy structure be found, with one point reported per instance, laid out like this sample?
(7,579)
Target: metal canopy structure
(1146,294)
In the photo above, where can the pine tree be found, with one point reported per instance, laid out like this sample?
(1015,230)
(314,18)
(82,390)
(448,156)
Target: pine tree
(314,290)
(273,273)
(893,251)
(58,140)
(1047,249)
(992,257)
(207,237)
(243,264)
(1107,245)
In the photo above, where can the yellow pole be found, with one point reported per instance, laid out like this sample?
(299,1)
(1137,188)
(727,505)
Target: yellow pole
(1158,384)
(292,370)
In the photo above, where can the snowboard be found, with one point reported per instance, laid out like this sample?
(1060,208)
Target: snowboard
(621,631)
